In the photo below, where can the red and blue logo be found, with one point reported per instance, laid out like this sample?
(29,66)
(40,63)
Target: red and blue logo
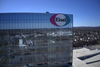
(60,20)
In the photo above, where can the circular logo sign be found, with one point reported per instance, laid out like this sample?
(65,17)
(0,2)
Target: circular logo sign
(60,19)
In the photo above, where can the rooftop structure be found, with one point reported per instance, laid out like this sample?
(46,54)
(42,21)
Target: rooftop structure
(86,58)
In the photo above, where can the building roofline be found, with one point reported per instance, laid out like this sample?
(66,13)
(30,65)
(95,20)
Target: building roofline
(35,12)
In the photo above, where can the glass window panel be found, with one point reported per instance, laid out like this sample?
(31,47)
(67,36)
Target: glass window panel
(1,16)
(44,34)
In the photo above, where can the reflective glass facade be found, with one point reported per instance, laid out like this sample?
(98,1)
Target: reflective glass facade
(30,39)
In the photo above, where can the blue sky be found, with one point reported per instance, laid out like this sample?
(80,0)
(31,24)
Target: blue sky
(85,12)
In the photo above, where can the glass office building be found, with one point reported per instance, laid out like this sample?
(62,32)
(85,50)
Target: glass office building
(35,39)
